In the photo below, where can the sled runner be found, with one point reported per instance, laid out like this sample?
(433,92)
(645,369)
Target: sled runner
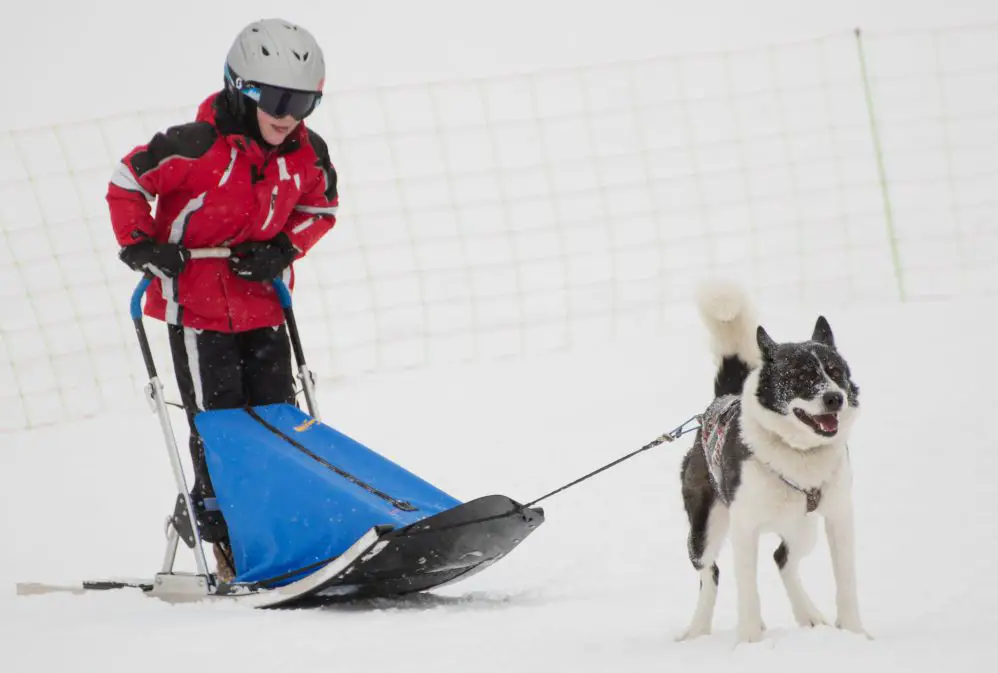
(313,515)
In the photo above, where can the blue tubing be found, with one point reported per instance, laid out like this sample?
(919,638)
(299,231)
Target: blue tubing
(136,305)
(283,293)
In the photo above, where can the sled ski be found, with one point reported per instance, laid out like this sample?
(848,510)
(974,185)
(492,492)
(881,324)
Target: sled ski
(313,516)
(453,545)
(188,587)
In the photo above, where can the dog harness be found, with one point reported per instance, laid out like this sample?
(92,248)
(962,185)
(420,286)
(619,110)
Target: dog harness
(716,422)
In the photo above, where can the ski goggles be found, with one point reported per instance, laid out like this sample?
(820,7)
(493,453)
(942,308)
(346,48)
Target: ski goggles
(277,101)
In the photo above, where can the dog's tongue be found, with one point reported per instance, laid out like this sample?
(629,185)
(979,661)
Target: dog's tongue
(827,422)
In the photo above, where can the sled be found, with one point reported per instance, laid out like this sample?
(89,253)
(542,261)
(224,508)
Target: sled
(313,515)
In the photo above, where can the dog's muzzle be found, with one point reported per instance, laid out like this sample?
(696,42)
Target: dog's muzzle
(825,425)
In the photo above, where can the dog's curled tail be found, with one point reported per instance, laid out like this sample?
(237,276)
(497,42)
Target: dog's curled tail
(731,321)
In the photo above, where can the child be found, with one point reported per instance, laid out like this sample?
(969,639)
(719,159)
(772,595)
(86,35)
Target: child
(246,175)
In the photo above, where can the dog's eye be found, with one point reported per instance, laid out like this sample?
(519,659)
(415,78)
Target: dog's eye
(835,373)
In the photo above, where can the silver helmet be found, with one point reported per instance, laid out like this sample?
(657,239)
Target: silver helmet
(278,53)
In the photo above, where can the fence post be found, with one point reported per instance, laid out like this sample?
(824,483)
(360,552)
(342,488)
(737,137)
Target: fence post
(881,171)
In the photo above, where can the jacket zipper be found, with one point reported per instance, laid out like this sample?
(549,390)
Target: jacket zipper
(270,210)
(273,193)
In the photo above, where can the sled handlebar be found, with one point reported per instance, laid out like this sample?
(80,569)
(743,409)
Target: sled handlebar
(283,294)
(208,253)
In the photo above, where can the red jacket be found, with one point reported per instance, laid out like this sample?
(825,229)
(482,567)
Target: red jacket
(215,186)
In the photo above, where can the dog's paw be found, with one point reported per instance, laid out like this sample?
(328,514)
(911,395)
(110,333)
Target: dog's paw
(693,631)
(750,632)
(810,618)
(854,626)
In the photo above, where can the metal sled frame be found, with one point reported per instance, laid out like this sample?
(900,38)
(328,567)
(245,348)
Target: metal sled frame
(181,586)
(204,582)
(384,561)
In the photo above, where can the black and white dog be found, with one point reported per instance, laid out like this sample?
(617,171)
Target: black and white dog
(769,455)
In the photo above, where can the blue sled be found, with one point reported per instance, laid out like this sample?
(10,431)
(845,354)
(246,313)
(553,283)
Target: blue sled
(297,494)
(312,514)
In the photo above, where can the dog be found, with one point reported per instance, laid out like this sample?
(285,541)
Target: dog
(770,454)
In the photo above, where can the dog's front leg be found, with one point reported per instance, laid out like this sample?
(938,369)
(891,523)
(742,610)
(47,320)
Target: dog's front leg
(745,554)
(841,543)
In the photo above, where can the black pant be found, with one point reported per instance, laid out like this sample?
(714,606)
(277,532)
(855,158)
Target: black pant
(220,370)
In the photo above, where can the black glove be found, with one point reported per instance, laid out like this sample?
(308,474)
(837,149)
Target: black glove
(262,260)
(160,259)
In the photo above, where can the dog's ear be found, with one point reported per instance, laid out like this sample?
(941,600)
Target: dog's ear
(766,343)
(823,332)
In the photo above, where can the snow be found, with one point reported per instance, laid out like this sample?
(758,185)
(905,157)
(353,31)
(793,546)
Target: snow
(605,583)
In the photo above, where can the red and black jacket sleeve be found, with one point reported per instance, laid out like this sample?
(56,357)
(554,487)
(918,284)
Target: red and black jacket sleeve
(149,170)
(315,212)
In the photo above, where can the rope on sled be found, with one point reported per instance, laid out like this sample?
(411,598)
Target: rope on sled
(670,436)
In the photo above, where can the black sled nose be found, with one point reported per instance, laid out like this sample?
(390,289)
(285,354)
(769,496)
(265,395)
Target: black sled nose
(833,401)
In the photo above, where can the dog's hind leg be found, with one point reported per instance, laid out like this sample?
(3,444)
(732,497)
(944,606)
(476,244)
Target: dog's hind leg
(798,542)
(708,527)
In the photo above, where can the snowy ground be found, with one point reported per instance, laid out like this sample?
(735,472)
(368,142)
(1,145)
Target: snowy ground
(605,583)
